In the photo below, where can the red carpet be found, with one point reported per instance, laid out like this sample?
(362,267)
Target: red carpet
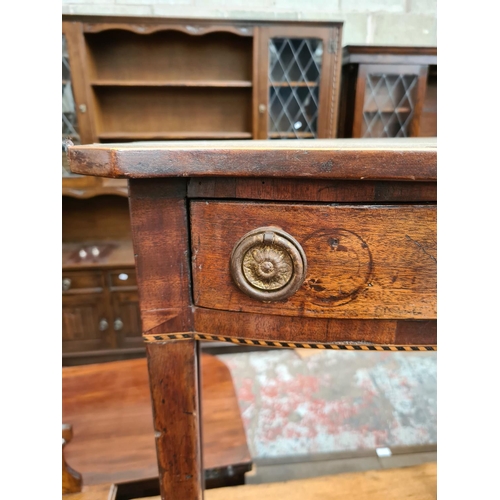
(305,402)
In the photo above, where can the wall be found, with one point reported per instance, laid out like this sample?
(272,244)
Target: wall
(377,22)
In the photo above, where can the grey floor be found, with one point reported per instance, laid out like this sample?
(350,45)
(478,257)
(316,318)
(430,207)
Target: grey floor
(268,472)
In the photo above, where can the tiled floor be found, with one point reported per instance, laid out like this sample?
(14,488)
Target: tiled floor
(303,403)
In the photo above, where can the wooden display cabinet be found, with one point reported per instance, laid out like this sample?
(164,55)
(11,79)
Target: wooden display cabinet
(388,92)
(160,79)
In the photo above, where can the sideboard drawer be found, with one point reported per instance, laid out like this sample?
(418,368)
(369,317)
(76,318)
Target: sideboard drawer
(82,281)
(122,278)
(362,261)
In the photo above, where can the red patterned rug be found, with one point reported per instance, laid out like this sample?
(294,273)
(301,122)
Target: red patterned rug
(306,402)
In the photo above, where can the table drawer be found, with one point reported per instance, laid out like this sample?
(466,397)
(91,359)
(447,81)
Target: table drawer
(362,261)
(76,281)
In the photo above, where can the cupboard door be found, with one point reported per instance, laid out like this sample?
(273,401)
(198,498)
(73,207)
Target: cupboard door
(389,99)
(85,323)
(126,319)
(298,83)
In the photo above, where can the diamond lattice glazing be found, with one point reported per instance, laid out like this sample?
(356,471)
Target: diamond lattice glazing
(389,105)
(294,74)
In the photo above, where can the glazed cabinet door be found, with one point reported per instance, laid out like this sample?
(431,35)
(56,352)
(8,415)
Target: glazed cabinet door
(389,100)
(298,82)
(76,123)
(85,323)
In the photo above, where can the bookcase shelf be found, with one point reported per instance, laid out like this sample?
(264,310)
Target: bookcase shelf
(172,83)
(159,112)
(169,56)
(161,136)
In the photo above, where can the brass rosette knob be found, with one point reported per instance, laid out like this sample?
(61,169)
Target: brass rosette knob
(268,264)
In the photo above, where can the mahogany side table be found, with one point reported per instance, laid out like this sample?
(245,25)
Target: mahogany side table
(326,244)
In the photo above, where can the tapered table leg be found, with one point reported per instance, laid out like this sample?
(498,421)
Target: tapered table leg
(175,385)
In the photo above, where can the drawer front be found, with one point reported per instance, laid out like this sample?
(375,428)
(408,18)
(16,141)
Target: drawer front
(122,278)
(362,261)
(76,281)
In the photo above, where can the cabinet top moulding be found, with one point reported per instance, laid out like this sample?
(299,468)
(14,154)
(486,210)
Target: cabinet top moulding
(147,25)
(84,193)
(148,29)
(378,54)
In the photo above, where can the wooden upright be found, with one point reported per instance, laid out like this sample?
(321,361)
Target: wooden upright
(316,244)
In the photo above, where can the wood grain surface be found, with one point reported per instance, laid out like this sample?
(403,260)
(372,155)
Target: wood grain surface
(417,482)
(312,190)
(109,406)
(364,262)
(94,492)
(158,214)
(174,381)
(352,159)
(71,479)
(260,326)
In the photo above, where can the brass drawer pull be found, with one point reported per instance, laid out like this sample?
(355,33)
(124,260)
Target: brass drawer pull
(268,264)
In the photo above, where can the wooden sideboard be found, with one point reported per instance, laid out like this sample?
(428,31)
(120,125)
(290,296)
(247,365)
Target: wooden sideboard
(388,92)
(100,304)
(325,244)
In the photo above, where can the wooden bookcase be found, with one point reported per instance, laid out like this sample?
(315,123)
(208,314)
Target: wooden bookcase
(388,92)
(129,79)
(158,79)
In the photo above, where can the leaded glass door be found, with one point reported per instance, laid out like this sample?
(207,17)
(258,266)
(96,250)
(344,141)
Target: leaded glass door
(75,117)
(389,100)
(69,119)
(298,83)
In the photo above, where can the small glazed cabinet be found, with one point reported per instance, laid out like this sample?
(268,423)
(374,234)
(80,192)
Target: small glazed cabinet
(388,92)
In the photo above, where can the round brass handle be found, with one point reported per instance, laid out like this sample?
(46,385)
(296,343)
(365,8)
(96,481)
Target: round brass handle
(268,264)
